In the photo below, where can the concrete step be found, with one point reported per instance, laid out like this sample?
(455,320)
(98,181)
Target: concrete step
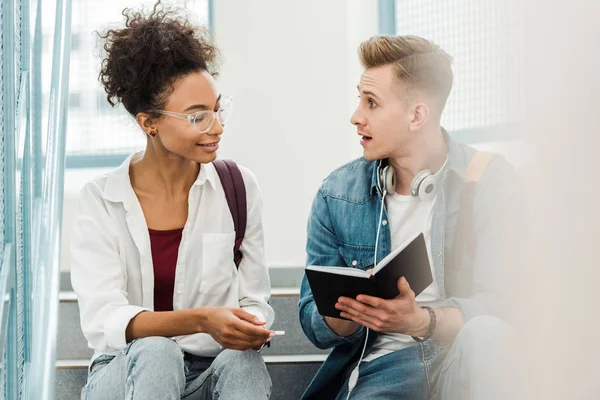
(290,376)
(72,345)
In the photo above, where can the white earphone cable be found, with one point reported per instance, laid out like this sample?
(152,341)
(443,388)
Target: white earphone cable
(379,227)
(353,380)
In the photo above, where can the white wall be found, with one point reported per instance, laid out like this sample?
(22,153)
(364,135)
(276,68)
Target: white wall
(560,306)
(292,68)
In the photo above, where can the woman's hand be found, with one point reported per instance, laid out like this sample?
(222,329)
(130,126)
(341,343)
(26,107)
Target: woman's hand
(236,329)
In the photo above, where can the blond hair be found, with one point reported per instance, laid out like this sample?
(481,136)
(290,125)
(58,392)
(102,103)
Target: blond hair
(419,64)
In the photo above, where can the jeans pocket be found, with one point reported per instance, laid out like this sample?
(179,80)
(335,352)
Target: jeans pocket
(97,365)
(128,347)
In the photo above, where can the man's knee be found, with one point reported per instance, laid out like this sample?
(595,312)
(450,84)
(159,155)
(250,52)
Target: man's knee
(161,350)
(484,341)
(485,330)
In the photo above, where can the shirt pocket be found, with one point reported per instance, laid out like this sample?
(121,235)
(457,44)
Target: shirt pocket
(361,257)
(217,262)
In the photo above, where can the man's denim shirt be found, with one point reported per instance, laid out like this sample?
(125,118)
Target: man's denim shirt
(342,228)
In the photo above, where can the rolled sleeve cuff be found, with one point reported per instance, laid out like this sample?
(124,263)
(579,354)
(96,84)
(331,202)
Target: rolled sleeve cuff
(261,314)
(324,334)
(116,325)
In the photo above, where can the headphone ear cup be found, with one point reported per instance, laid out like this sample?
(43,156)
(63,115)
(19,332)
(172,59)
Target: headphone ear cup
(380,180)
(428,188)
(386,181)
(423,185)
(390,180)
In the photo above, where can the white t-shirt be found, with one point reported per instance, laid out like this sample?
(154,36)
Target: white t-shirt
(408,216)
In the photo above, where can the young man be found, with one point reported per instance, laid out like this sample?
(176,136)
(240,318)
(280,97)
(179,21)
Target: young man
(447,341)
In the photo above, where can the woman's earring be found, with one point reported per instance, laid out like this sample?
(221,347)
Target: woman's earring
(152,133)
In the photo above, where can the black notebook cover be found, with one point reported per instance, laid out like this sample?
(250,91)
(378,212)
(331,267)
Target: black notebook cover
(412,263)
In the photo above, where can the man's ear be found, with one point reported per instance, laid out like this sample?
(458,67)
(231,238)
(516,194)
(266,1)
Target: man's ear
(419,114)
(146,122)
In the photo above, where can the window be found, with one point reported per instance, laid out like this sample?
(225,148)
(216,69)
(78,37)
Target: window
(94,128)
(483,42)
(74,100)
(75,42)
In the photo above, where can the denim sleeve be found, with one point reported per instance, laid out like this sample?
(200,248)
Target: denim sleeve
(499,236)
(322,248)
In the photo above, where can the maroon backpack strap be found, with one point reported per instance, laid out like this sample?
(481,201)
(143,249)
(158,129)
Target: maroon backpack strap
(235,193)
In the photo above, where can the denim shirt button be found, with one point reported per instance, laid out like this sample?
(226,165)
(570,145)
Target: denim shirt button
(354,263)
(384,222)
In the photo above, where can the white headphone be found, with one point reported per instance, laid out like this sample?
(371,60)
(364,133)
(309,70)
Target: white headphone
(424,185)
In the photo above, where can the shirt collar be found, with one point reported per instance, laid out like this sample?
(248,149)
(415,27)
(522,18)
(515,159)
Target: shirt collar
(118,184)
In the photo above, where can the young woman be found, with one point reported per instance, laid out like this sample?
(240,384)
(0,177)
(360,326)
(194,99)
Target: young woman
(162,303)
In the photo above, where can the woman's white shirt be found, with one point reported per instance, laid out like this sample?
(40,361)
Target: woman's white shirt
(111,260)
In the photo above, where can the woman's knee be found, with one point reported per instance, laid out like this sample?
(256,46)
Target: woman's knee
(157,349)
(245,363)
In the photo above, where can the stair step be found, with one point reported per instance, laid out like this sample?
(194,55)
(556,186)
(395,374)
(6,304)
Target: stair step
(72,345)
(290,376)
(269,360)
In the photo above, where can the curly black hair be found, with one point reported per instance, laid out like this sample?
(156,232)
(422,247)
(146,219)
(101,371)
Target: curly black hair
(144,58)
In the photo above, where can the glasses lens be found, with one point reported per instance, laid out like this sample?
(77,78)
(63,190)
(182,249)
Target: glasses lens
(203,121)
(225,110)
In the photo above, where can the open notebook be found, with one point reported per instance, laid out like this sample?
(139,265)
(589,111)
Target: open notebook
(330,283)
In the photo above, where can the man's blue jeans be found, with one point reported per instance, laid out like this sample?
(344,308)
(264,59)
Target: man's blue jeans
(480,364)
(156,368)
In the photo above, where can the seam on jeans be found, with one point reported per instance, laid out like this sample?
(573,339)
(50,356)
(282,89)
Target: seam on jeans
(101,360)
(215,386)
(186,393)
(128,347)
(440,349)
(130,376)
(425,366)
(94,374)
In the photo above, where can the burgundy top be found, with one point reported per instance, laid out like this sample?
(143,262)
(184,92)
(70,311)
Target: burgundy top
(165,248)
